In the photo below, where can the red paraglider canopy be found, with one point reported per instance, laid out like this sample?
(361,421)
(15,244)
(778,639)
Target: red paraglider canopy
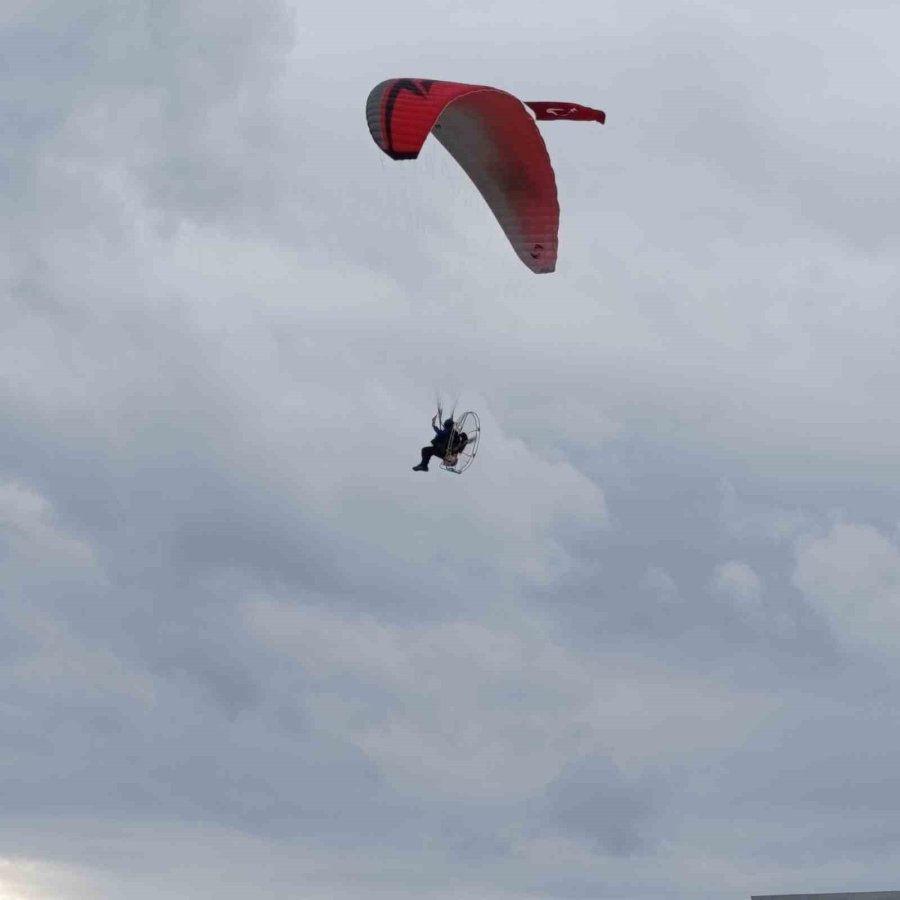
(491,134)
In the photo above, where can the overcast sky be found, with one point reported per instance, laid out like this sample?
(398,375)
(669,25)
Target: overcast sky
(647,647)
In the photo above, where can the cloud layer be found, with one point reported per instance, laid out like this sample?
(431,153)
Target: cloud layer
(645,648)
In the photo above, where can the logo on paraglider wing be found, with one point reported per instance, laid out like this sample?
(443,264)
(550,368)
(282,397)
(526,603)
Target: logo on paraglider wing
(537,251)
(420,87)
(562,110)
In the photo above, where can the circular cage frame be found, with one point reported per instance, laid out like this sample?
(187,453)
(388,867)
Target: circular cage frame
(470,425)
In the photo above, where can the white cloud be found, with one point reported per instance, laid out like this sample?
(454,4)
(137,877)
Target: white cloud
(24,879)
(852,575)
(737,581)
(738,585)
(661,583)
(491,709)
(34,539)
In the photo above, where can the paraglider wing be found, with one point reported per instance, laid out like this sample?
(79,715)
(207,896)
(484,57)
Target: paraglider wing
(493,137)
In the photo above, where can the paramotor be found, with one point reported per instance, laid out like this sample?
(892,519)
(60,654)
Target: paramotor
(463,444)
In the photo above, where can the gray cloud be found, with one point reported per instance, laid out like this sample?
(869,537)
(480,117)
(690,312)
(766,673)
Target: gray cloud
(640,647)
(591,798)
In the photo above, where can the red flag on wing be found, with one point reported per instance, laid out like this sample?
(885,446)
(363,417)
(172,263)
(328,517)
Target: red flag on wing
(545,111)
